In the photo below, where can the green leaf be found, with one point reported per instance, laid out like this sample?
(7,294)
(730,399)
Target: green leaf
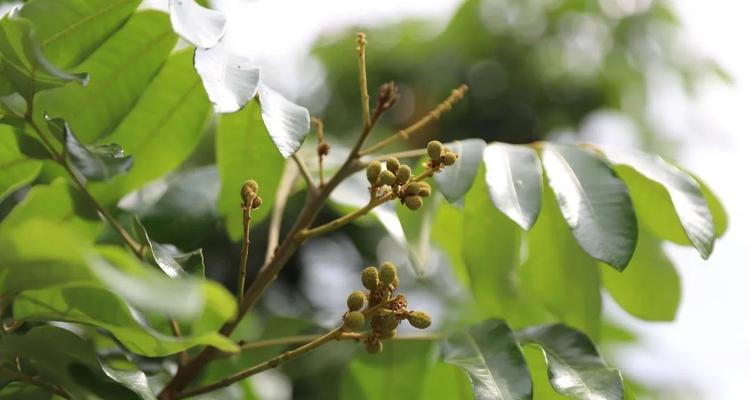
(396,373)
(446,381)
(58,355)
(17,169)
(455,180)
(575,367)
(416,225)
(667,200)
(169,258)
(286,122)
(22,391)
(97,162)
(594,202)
(719,214)
(650,287)
(163,128)
(514,179)
(230,80)
(23,63)
(200,26)
(70,30)
(559,274)
(121,69)
(490,355)
(245,151)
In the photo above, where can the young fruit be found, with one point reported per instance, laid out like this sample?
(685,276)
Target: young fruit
(392,164)
(413,202)
(425,190)
(355,301)
(353,320)
(449,158)
(403,174)
(419,319)
(373,171)
(388,335)
(374,347)
(434,150)
(387,273)
(370,278)
(413,189)
(387,178)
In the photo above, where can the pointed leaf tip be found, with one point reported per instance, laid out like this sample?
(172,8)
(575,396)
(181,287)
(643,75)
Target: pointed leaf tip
(286,122)
(202,27)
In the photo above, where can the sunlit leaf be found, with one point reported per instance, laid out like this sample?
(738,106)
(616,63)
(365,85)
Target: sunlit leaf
(575,367)
(169,258)
(490,355)
(514,179)
(455,180)
(287,123)
(594,202)
(681,211)
(197,25)
(230,80)
(17,169)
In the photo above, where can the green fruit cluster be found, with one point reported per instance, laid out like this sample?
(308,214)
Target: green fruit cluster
(440,155)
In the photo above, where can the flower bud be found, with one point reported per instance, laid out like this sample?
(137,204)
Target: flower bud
(403,174)
(395,283)
(425,190)
(387,273)
(257,202)
(419,319)
(412,189)
(388,334)
(449,158)
(413,202)
(374,347)
(249,191)
(389,323)
(370,278)
(388,95)
(392,164)
(355,301)
(434,150)
(373,171)
(387,178)
(353,320)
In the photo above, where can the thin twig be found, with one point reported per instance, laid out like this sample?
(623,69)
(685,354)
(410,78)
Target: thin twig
(242,270)
(282,195)
(341,221)
(305,173)
(355,336)
(434,115)
(364,96)
(17,376)
(177,332)
(402,154)
(323,148)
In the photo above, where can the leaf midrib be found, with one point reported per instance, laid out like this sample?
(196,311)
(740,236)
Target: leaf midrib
(72,27)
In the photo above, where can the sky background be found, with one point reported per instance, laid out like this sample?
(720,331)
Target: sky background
(707,347)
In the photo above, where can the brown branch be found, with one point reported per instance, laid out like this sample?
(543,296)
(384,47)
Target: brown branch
(17,376)
(282,195)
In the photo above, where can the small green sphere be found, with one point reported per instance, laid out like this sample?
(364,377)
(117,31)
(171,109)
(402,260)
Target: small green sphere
(370,278)
(413,189)
(374,347)
(403,174)
(425,190)
(353,320)
(387,178)
(413,202)
(257,202)
(449,158)
(434,150)
(419,319)
(392,164)
(389,323)
(387,273)
(356,301)
(388,335)
(373,171)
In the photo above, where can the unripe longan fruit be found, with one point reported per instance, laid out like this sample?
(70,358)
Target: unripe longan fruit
(395,283)
(388,335)
(388,323)
(353,320)
(355,301)
(373,171)
(425,190)
(257,202)
(403,174)
(370,278)
(419,319)
(374,347)
(387,273)
(413,202)
(392,164)
(449,158)
(434,150)
(387,178)
(413,189)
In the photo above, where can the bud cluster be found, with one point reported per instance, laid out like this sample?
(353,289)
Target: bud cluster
(440,155)
(385,311)
(249,194)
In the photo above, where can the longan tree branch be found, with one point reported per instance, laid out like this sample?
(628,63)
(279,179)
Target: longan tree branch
(323,148)
(404,134)
(17,376)
(282,195)
(354,336)
(242,269)
(341,221)
(305,173)
(400,154)
(364,96)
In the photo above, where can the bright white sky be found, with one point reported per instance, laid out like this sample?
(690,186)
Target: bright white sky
(709,344)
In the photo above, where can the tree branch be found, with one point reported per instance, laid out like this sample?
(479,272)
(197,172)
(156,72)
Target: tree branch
(17,376)
(341,221)
(282,195)
(364,96)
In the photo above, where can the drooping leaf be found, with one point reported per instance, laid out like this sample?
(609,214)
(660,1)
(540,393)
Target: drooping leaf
(287,123)
(23,391)
(197,25)
(490,355)
(445,380)
(121,69)
(59,356)
(244,150)
(70,30)
(718,213)
(559,274)
(575,367)
(163,128)
(594,202)
(514,179)
(169,258)
(668,200)
(23,63)
(455,180)
(649,288)
(95,162)
(396,373)
(17,169)
(230,80)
